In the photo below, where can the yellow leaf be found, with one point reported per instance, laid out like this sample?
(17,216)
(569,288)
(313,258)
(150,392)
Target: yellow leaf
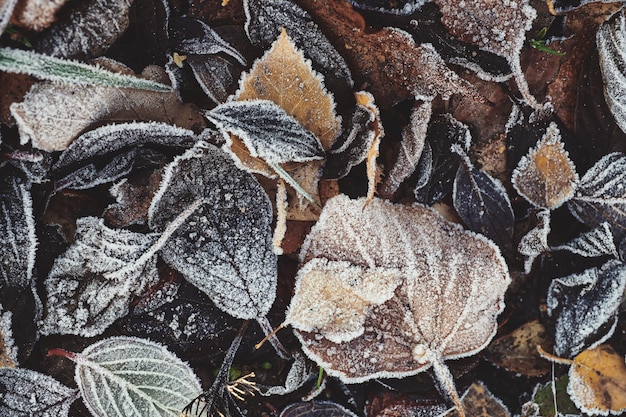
(285,77)
(598,381)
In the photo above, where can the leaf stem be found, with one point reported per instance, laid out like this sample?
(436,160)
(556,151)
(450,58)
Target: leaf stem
(271,337)
(63,353)
(289,179)
(553,358)
(445,380)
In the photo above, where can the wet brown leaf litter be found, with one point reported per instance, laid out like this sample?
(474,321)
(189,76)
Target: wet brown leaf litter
(382,208)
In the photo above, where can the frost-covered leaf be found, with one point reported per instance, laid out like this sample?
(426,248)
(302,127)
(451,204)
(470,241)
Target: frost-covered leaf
(546,177)
(479,402)
(298,374)
(8,349)
(30,393)
(517,351)
(81,108)
(483,204)
(498,27)
(535,241)
(584,307)
(35,14)
(610,39)
(359,140)
(130,377)
(596,242)
(597,381)
(544,402)
(284,76)
(6,10)
(264,20)
(440,169)
(413,139)
(215,75)
(601,195)
(193,36)
(316,409)
(88,31)
(17,233)
(91,284)
(389,290)
(564,6)
(64,71)
(267,130)
(214,249)
(402,7)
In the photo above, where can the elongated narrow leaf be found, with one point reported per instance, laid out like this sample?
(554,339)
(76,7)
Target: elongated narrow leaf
(130,377)
(61,70)
(91,284)
(17,233)
(584,307)
(483,204)
(267,130)
(601,195)
(29,393)
(225,247)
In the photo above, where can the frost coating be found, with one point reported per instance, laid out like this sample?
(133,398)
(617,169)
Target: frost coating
(611,40)
(267,130)
(29,393)
(131,377)
(601,194)
(17,233)
(91,284)
(596,242)
(584,307)
(535,241)
(225,247)
(8,350)
(546,177)
(451,290)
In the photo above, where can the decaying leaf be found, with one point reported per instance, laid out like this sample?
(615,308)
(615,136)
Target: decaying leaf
(404,295)
(146,378)
(535,241)
(584,307)
(498,27)
(546,177)
(81,107)
(17,233)
(483,204)
(413,139)
(30,393)
(36,14)
(284,76)
(479,402)
(517,351)
(264,20)
(91,28)
(597,381)
(564,6)
(601,196)
(610,39)
(213,249)
(91,284)
(544,403)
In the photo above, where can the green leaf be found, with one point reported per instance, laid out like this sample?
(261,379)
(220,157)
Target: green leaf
(61,70)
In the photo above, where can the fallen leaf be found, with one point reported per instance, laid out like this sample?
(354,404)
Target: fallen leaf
(600,195)
(148,379)
(584,307)
(564,6)
(132,201)
(517,351)
(31,393)
(88,31)
(81,108)
(483,204)
(411,146)
(545,403)
(316,409)
(6,10)
(213,249)
(369,304)
(596,242)
(597,381)
(36,14)
(535,241)
(479,402)
(8,349)
(546,177)
(498,27)
(17,233)
(388,61)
